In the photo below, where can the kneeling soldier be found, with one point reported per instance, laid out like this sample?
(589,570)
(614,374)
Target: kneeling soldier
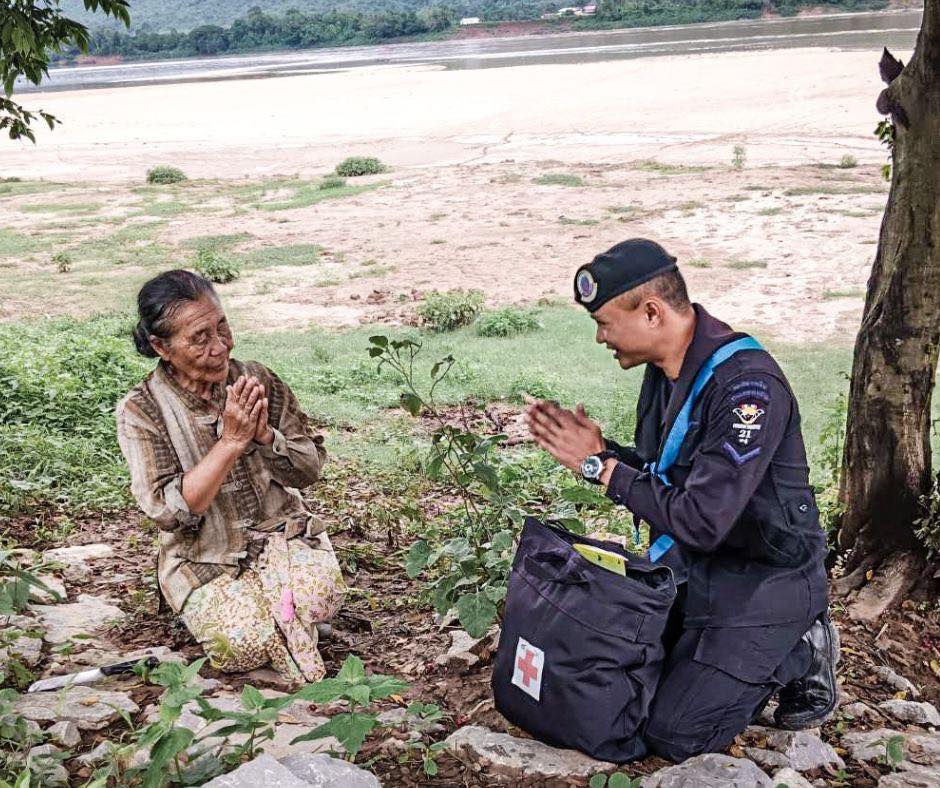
(719,473)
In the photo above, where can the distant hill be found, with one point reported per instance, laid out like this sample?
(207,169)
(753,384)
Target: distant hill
(184,15)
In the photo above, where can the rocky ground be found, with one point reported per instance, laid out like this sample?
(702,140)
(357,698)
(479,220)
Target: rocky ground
(109,613)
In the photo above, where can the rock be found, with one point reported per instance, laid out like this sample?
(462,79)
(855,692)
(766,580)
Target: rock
(65,733)
(89,708)
(27,649)
(892,679)
(77,556)
(920,749)
(296,771)
(325,772)
(280,746)
(56,592)
(710,771)
(46,766)
(460,651)
(910,711)
(800,750)
(858,711)
(791,779)
(886,589)
(917,778)
(398,718)
(502,754)
(63,622)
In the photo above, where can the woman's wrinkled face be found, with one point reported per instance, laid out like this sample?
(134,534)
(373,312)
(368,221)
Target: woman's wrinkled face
(201,342)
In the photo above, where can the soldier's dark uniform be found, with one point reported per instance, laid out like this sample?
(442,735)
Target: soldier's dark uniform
(748,540)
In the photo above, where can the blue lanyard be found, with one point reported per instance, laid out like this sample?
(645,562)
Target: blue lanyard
(680,426)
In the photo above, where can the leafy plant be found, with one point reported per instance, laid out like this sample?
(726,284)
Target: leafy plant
(63,262)
(848,161)
(29,33)
(450,310)
(353,685)
(16,739)
(506,322)
(15,584)
(829,462)
(217,267)
(927,526)
(894,750)
(331,182)
(738,157)
(165,174)
(471,567)
(885,132)
(615,780)
(354,166)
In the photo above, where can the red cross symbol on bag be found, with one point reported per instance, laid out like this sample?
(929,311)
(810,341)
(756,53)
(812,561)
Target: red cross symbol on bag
(527,672)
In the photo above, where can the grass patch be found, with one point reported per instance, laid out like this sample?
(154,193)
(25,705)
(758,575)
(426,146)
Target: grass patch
(770,211)
(13,187)
(63,207)
(699,262)
(509,321)
(578,222)
(301,194)
(651,165)
(830,294)
(224,241)
(741,265)
(13,243)
(133,244)
(164,208)
(690,206)
(290,255)
(369,271)
(559,179)
(802,191)
(625,209)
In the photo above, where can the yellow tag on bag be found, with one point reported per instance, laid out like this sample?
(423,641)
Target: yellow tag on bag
(605,559)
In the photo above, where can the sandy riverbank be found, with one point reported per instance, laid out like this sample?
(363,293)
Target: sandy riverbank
(787,107)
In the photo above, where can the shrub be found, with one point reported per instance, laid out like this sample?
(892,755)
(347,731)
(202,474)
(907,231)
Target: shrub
(217,267)
(63,262)
(848,161)
(507,322)
(927,527)
(738,157)
(163,173)
(331,182)
(62,380)
(359,165)
(450,310)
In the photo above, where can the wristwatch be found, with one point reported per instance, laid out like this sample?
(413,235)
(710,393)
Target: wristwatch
(592,466)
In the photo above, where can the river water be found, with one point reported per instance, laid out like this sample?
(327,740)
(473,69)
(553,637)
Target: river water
(860,31)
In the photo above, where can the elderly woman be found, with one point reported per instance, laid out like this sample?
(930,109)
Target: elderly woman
(218,450)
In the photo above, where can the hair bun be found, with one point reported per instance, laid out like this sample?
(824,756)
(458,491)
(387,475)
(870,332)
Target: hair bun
(142,341)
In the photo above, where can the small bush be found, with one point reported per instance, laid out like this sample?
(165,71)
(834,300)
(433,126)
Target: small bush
(63,262)
(163,174)
(927,527)
(507,322)
(848,161)
(450,310)
(738,157)
(331,182)
(216,267)
(355,166)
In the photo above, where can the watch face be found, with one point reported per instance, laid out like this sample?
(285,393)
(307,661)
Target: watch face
(591,467)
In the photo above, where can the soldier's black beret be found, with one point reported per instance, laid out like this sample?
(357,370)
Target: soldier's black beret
(621,268)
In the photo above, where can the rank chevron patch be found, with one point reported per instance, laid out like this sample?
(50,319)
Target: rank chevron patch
(736,457)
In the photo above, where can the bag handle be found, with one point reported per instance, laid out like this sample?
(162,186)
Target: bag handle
(553,566)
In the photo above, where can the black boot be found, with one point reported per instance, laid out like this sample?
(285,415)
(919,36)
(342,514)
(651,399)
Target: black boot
(809,701)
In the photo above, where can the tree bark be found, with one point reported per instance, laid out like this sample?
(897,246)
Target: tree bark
(886,462)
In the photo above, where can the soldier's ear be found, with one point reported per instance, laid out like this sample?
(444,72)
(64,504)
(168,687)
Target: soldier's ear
(654,312)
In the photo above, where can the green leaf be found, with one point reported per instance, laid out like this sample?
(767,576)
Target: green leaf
(597,781)
(165,750)
(359,694)
(379,341)
(252,698)
(352,670)
(383,686)
(323,691)
(417,558)
(350,729)
(619,780)
(895,750)
(476,612)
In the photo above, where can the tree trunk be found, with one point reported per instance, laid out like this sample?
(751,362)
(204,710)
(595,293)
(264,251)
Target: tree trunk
(886,463)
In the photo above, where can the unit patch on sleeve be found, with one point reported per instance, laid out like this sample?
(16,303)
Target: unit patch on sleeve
(747,421)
